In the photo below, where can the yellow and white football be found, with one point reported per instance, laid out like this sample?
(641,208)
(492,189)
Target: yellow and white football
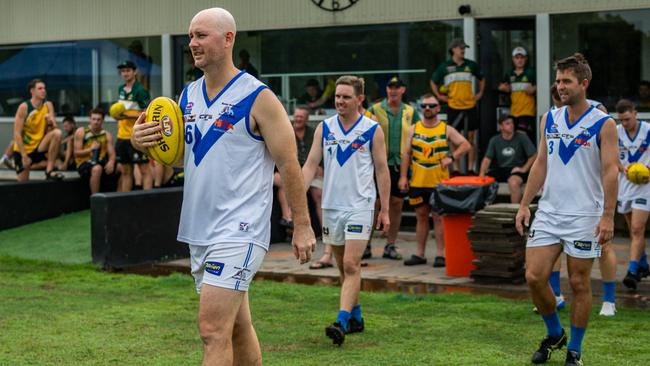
(638,173)
(171,145)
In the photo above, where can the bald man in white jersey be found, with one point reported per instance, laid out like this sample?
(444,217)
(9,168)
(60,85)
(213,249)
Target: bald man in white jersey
(353,149)
(235,131)
(577,164)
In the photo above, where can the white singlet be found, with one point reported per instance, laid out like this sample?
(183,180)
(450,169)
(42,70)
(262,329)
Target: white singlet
(349,169)
(573,172)
(228,190)
(633,149)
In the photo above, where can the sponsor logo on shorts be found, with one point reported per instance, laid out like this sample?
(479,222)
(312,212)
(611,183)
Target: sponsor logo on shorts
(214,268)
(242,274)
(641,201)
(415,201)
(355,228)
(582,245)
(531,234)
(244,226)
(326,230)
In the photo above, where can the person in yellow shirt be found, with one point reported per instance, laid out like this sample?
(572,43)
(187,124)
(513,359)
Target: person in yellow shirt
(457,78)
(93,150)
(521,85)
(428,156)
(32,142)
(135,98)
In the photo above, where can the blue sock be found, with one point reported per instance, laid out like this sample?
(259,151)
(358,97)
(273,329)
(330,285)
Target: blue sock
(577,334)
(633,267)
(343,318)
(356,312)
(554,280)
(643,261)
(609,288)
(553,326)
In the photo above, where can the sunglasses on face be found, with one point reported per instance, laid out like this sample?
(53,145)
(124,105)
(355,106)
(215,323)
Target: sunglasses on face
(428,105)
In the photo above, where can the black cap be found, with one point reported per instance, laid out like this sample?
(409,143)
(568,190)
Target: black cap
(127,63)
(457,43)
(395,81)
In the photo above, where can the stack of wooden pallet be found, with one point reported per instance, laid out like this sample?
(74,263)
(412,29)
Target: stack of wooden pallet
(500,250)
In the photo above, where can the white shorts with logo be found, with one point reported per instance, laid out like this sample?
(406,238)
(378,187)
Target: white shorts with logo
(227,265)
(575,233)
(637,204)
(341,225)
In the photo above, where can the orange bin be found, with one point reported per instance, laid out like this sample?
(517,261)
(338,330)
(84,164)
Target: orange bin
(458,250)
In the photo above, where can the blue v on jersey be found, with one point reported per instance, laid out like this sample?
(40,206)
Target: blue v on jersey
(633,149)
(349,169)
(573,183)
(228,189)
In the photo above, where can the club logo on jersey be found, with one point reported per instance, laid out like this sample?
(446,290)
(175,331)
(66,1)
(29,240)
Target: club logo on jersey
(241,274)
(582,245)
(330,139)
(244,226)
(355,228)
(214,268)
(188,108)
(226,110)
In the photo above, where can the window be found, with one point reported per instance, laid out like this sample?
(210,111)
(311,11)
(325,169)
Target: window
(617,46)
(79,75)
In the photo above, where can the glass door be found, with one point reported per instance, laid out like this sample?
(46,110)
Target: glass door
(496,40)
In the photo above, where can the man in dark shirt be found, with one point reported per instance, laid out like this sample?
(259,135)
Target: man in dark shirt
(513,154)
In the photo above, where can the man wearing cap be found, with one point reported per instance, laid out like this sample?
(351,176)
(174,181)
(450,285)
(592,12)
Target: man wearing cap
(520,83)
(456,77)
(135,99)
(395,119)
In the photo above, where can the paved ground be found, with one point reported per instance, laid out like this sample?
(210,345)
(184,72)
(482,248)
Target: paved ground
(389,275)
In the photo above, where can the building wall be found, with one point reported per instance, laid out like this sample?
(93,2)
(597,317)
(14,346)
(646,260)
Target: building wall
(25,21)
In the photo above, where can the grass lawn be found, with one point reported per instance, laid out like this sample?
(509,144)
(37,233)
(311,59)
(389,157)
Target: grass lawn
(63,239)
(62,314)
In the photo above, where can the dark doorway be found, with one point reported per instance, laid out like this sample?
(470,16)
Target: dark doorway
(496,40)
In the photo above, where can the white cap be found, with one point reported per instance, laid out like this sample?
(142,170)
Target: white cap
(519,51)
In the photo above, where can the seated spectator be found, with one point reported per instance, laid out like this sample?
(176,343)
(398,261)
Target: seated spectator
(511,154)
(37,138)
(67,144)
(93,150)
(644,95)
(315,98)
(166,176)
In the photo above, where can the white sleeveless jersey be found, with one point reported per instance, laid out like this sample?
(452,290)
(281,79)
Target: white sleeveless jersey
(349,169)
(573,183)
(228,190)
(633,149)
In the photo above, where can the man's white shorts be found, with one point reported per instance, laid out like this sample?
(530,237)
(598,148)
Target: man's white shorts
(227,265)
(340,225)
(637,204)
(575,233)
